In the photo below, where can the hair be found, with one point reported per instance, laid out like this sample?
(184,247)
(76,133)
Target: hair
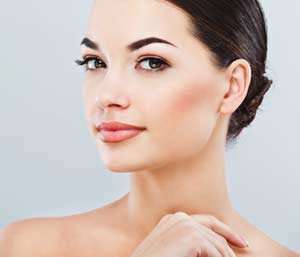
(231,30)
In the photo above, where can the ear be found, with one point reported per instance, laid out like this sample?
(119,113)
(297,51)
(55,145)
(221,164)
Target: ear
(238,78)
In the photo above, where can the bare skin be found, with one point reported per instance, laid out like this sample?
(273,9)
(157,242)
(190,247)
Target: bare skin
(171,170)
(106,232)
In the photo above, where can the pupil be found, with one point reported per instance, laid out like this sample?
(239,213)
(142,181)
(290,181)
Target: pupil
(155,61)
(97,65)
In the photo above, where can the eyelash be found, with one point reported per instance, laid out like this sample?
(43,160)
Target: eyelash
(89,58)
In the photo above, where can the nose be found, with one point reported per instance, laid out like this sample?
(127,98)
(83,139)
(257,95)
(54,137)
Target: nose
(112,94)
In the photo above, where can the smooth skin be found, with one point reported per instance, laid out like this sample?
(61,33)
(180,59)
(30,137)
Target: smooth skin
(177,164)
(179,234)
(176,235)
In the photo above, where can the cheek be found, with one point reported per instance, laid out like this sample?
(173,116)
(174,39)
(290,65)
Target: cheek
(189,117)
(188,98)
(194,98)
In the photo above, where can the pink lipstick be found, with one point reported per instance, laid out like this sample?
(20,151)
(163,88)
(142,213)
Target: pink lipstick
(114,132)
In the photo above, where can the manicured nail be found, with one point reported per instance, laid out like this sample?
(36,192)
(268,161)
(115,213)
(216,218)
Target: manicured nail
(245,241)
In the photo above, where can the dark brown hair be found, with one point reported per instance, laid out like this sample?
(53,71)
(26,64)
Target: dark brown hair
(233,29)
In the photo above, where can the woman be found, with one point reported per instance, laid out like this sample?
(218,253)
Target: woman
(169,84)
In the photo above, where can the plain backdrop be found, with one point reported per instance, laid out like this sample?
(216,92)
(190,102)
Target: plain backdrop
(49,165)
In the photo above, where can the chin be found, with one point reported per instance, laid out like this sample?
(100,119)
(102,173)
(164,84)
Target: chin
(123,164)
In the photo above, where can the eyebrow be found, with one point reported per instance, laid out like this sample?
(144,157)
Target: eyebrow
(131,47)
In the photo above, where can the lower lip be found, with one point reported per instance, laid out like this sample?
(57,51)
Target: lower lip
(117,136)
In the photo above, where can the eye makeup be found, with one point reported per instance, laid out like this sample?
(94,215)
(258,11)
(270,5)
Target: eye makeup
(93,63)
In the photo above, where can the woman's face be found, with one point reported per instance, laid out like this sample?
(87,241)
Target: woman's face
(177,104)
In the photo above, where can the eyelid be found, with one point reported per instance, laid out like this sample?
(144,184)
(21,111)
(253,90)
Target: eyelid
(86,58)
(149,55)
(145,56)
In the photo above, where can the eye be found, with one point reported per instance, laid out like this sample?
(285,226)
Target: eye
(154,64)
(92,63)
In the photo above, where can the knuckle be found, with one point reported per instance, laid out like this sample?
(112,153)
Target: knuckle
(188,230)
(180,214)
(212,219)
(187,226)
(167,216)
(164,219)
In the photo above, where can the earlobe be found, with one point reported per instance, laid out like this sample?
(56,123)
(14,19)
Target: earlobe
(239,78)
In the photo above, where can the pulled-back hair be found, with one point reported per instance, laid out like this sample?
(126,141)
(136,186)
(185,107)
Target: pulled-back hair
(233,29)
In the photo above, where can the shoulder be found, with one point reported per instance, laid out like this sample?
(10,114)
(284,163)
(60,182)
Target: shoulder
(31,237)
(93,233)
(275,248)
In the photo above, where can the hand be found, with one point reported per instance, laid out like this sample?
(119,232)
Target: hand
(182,235)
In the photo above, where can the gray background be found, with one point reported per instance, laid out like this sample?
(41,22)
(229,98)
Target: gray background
(49,165)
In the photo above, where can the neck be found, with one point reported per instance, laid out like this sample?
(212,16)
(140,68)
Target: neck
(196,186)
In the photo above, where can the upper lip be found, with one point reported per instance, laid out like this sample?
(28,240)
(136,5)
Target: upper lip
(114,125)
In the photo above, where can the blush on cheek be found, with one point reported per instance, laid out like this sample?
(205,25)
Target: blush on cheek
(191,95)
(188,117)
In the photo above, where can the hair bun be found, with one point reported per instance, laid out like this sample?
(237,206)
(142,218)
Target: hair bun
(246,112)
(263,85)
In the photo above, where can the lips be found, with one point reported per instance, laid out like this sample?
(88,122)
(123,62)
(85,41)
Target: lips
(113,126)
(115,132)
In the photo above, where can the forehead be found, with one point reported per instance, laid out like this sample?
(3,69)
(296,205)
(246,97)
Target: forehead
(129,20)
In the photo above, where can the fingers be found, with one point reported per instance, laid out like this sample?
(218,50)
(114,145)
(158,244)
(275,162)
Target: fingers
(208,249)
(219,242)
(216,232)
(170,220)
(182,215)
(220,228)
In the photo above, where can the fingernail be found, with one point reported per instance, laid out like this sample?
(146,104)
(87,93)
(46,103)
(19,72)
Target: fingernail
(245,241)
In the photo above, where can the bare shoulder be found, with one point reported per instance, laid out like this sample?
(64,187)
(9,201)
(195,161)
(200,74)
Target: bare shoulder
(267,246)
(271,247)
(30,237)
(285,251)
(275,248)
(90,234)
(282,250)
(52,236)
(260,242)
